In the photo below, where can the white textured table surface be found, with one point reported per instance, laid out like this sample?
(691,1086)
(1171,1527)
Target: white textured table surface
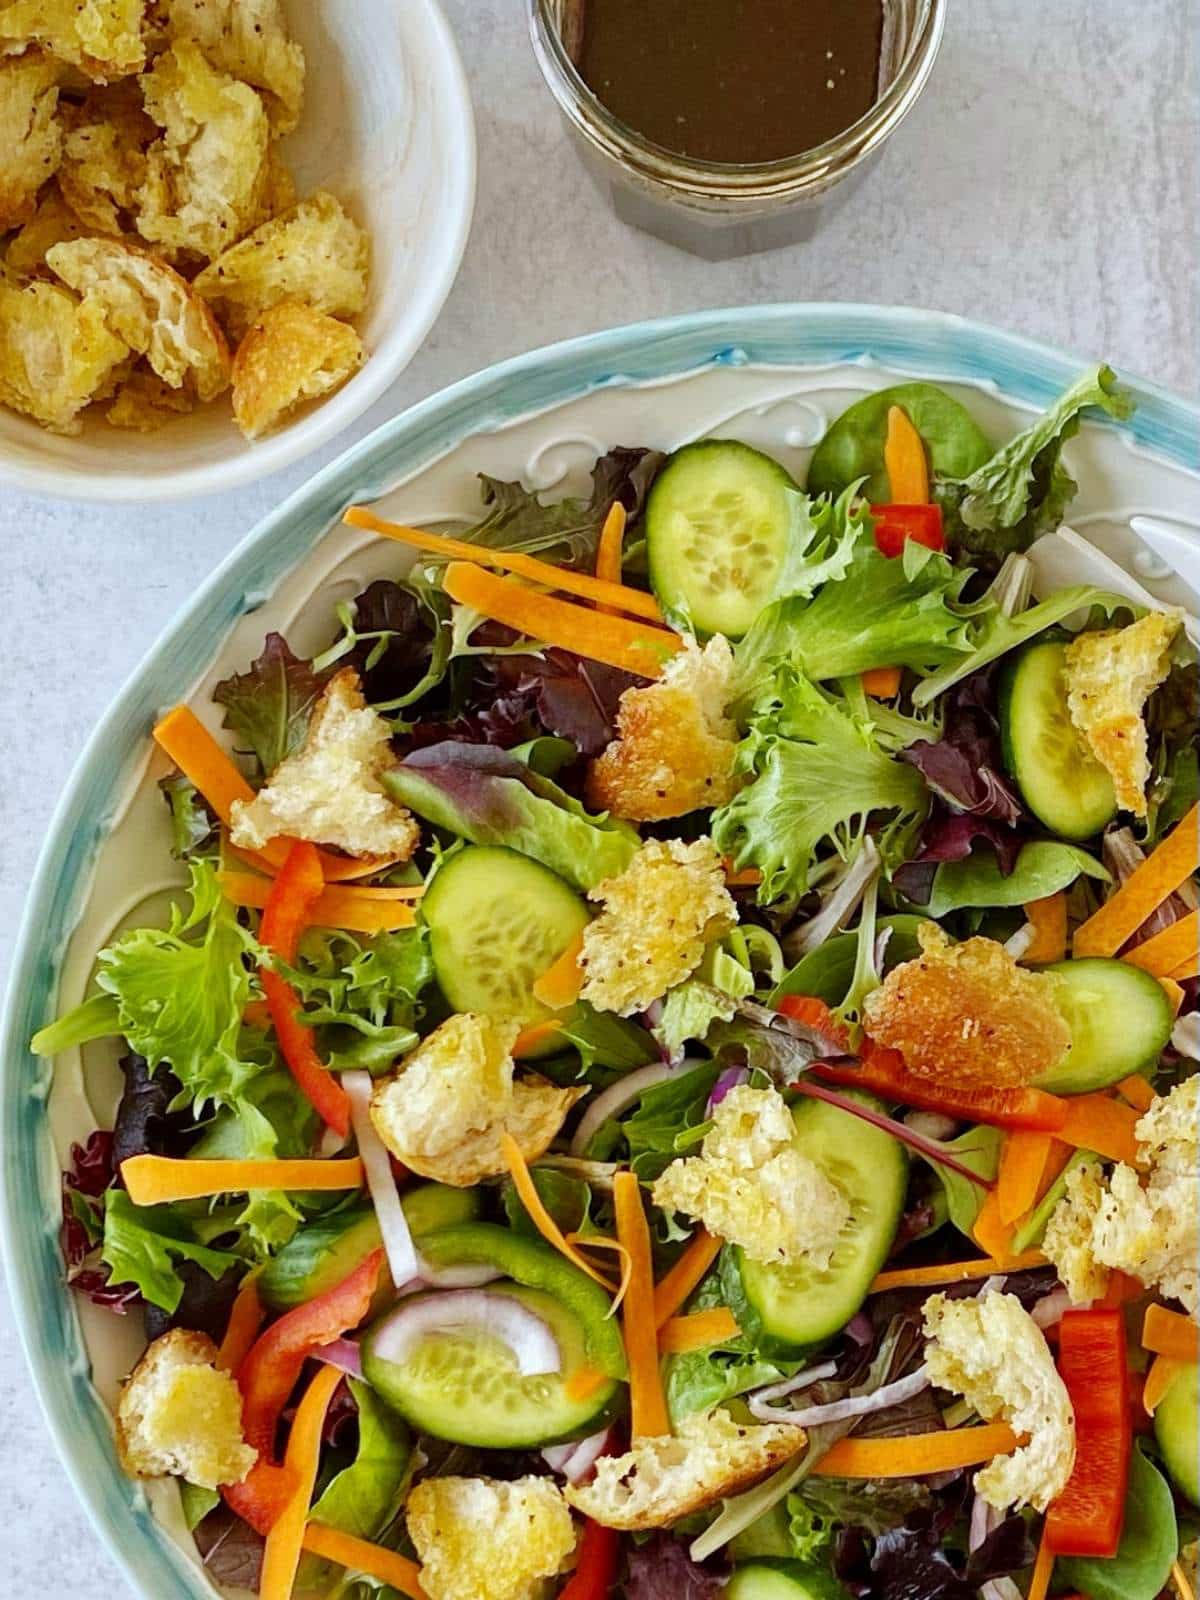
(1047,182)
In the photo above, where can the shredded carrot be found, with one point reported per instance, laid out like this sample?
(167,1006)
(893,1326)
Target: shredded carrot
(559,986)
(632,645)
(359,910)
(1162,1374)
(1048,918)
(1179,1578)
(245,1319)
(331,1544)
(882,683)
(1170,1333)
(701,1251)
(531,1039)
(1019,1179)
(1174,994)
(281,1555)
(1094,1122)
(600,1241)
(539,1216)
(904,461)
(155,1180)
(610,552)
(678,1335)
(991,1231)
(1043,1567)
(1137,1091)
(648,1408)
(1123,913)
(1164,952)
(743,878)
(913,1455)
(954,1271)
(334,869)
(1187,969)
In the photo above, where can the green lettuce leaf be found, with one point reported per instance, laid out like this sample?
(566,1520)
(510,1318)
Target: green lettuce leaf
(818,774)
(670,1119)
(193,826)
(701,1379)
(605,1040)
(979,1149)
(143,1244)
(1043,868)
(363,995)
(1149,1542)
(364,1497)
(268,707)
(1025,489)
(689,1011)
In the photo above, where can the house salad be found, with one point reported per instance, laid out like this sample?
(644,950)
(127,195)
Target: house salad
(675,1071)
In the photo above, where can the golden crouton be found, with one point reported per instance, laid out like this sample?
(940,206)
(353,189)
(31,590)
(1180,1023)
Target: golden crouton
(31,134)
(329,791)
(478,1539)
(179,1413)
(104,157)
(144,403)
(1110,676)
(204,177)
(661,1479)
(659,916)
(51,223)
(102,37)
(291,354)
(675,748)
(967,1015)
(150,307)
(444,1112)
(249,40)
(313,253)
(56,353)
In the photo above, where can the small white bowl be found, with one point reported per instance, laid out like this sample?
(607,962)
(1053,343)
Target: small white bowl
(387,126)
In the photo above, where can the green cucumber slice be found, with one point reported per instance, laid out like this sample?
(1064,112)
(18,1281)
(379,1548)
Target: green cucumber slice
(1177,1429)
(775,1579)
(718,523)
(1060,780)
(496,921)
(1120,1020)
(466,1387)
(800,1306)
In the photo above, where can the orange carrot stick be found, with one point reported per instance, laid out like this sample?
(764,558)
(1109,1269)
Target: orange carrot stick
(991,1231)
(882,683)
(904,461)
(531,1039)
(1094,1122)
(559,986)
(397,1571)
(1170,1333)
(538,1215)
(157,1180)
(281,1555)
(648,1408)
(1043,1567)
(699,1254)
(359,910)
(1049,920)
(916,1454)
(1137,1091)
(1166,950)
(954,1272)
(698,1331)
(610,550)
(1123,913)
(245,1319)
(1019,1179)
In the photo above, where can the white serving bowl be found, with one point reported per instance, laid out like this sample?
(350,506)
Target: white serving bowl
(387,126)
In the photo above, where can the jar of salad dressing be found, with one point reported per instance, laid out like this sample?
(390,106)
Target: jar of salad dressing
(732,126)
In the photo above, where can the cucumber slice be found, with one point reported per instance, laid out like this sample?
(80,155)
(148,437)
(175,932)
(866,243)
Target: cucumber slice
(1177,1429)
(1061,781)
(496,921)
(800,1306)
(1120,1020)
(718,523)
(772,1579)
(466,1387)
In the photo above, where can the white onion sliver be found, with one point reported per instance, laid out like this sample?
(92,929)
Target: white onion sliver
(381,1182)
(585,1454)
(841,903)
(930,1124)
(798,1380)
(343,1354)
(983,1519)
(556,1456)
(991,1285)
(534,1347)
(1019,944)
(462,1275)
(613,1100)
(1185,1036)
(1048,1311)
(854,1405)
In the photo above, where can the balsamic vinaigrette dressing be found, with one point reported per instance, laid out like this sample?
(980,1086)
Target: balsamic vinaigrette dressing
(742,81)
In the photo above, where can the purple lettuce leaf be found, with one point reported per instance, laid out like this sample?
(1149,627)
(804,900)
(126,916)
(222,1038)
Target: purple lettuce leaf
(204,1306)
(965,767)
(268,707)
(948,836)
(144,1124)
(570,697)
(230,1549)
(661,1569)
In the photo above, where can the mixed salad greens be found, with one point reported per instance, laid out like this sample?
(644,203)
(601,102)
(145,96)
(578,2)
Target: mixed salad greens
(674,1074)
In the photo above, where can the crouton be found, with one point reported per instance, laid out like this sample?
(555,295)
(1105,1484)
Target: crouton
(144,403)
(314,252)
(1109,678)
(675,746)
(1068,1240)
(968,1015)
(329,790)
(31,134)
(178,1413)
(104,157)
(57,353)
(291,354)
(659,915)
(150,307)
(101,37)
(670,1476)
(51,223)
(204,177)
(482,1540)
(989,1350)
(442,1114)
(751,1187)
(249,40)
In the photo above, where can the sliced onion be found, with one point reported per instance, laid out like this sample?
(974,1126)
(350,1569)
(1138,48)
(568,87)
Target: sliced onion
(991,1285)
(1020,943)
(1185,1036)
(854,1405)
(599,1174)
(799,1380)
(381,1183)
(462,1275)
(983,1519)
(585,1455)
(731,1078)
(1048,1311)
(499,1316)
(556,1456)
(930,1124)
(859,1330)
(331,1143)
(839,907)
(613,1100)
(343,1354)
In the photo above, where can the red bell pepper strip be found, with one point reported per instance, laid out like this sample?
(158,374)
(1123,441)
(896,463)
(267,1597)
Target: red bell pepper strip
(596,1570)
(816,1014)
(1087,1517)
(285,917)
(895,525)
(268,1375)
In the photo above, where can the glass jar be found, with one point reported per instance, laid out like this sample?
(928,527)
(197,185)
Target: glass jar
(719,210)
